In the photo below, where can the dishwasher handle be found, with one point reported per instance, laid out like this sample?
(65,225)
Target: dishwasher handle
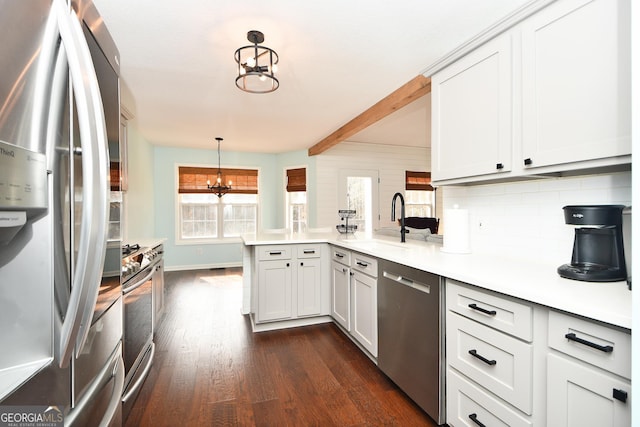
(407,282)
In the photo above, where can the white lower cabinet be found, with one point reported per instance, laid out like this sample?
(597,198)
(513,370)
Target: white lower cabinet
(364,313)
(588,373)
(274,290)
(581,395)
(514,363)
(501,363)
(341,294)
(354,296)
(490,358)
(290,282)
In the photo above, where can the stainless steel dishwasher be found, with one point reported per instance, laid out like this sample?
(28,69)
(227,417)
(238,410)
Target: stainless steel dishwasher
(411,334)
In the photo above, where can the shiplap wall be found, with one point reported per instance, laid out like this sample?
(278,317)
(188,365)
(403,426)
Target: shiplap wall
(525,219)
(390,162)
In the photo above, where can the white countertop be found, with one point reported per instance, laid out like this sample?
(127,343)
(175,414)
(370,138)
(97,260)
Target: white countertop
(609,302)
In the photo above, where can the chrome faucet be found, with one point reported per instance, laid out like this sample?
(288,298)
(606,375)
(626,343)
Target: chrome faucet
(393,214)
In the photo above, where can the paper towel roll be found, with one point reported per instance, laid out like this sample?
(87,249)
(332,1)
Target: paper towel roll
(456,231)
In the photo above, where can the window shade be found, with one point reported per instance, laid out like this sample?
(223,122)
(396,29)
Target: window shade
(194,179)
(418,181)
(297,179)
(114,176)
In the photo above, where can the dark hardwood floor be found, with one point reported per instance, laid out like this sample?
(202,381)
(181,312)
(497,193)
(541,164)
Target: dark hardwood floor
(211,370)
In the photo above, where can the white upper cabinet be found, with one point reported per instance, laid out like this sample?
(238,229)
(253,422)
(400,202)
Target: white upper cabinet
(576,79)
(549,95)
(471,113)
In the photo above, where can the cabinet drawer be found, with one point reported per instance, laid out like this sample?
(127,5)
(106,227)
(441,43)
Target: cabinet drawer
(498,311)
(365,264)
(273,252)
(308,251)
(340,255)
(466,402)
(498,362)
(592,342)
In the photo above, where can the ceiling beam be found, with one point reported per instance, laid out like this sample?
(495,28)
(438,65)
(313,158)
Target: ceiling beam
(406,94)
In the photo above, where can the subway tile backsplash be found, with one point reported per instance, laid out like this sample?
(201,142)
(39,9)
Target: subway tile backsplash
(525,219)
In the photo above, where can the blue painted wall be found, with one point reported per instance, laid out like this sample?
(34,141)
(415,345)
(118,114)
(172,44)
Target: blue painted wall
(271,209)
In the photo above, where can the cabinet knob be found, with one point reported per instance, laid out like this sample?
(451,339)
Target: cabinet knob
(287,264)
(302,264)
(528,161)
(499,166)
(621,395)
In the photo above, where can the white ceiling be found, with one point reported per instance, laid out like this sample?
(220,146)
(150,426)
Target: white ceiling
(337,58)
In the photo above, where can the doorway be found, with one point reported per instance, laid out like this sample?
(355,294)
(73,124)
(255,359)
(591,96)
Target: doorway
(358,190)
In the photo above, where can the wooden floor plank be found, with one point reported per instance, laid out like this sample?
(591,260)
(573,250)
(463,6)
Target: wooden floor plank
(212,370)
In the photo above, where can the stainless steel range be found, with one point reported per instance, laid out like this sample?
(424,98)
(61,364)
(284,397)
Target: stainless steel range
(139,265)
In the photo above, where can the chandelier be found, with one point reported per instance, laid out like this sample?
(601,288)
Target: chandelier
(256,66)
(218,188)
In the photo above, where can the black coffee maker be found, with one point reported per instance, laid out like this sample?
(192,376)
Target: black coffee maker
(598,250)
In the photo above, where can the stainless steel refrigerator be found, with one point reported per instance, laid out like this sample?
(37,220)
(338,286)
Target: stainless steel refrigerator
(60,287)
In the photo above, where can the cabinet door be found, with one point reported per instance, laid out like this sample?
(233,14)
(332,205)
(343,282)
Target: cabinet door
(365,311)
(576,82)
(579,395)
(471,113)
(274,290)
(340,295)
(309,287)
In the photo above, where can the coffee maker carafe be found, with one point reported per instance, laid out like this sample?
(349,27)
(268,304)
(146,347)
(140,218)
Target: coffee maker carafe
(598,249)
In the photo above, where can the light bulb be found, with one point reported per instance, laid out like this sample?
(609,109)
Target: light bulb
(219,180)
(251,62)
(230,182)
(208,182)
(274,68)
(262,77)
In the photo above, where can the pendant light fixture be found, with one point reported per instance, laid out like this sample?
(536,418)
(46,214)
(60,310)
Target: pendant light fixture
(257,66)
(218,188)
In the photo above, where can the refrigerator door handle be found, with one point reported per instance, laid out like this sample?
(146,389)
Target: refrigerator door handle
(93,139)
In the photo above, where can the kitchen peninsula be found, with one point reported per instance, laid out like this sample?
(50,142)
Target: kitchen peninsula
(525,279)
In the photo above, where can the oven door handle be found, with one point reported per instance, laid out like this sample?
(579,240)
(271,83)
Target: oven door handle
(141,282)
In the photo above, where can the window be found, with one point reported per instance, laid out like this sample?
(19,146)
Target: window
(203,215)
(419,194)
(297,199)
